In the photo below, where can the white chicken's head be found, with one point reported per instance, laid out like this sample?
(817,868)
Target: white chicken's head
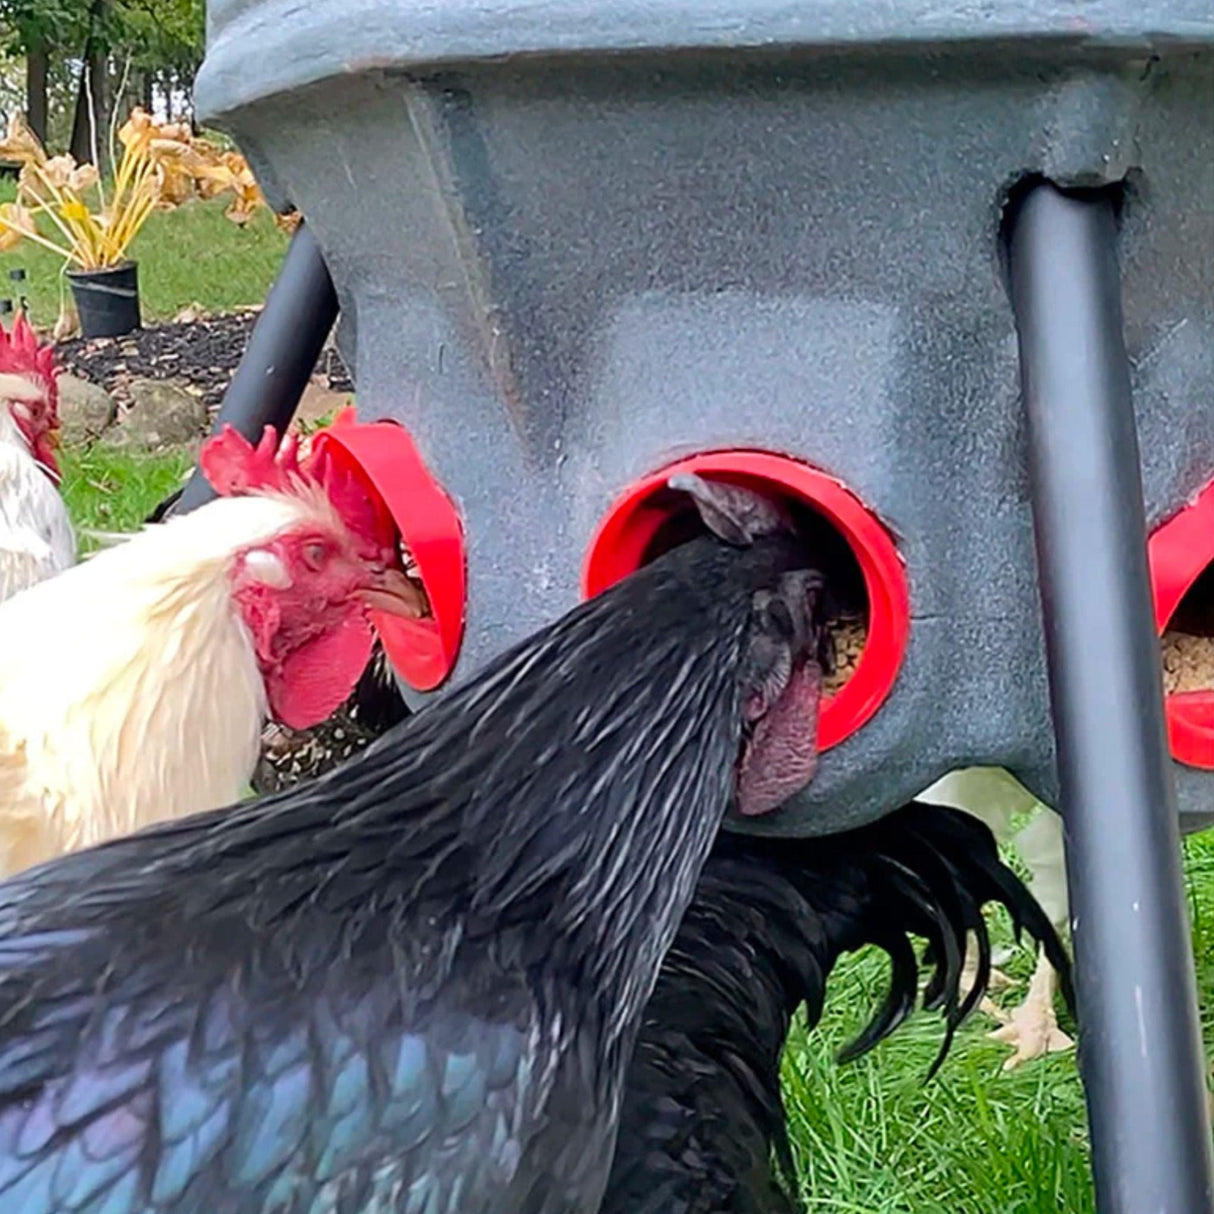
(29,392)
(304,592)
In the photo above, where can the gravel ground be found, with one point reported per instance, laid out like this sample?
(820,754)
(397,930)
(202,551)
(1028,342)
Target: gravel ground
(201,354)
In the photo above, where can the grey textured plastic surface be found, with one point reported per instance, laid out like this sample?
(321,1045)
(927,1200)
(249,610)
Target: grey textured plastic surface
(563,269)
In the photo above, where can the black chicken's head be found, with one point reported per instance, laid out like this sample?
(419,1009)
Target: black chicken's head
(786,646)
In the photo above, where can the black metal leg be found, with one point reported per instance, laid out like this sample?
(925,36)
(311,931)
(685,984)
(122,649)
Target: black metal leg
(1140,1044)
(283,348)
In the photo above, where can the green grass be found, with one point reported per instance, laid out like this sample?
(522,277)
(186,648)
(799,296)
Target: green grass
(109,490)
(192,254)
(869,1137)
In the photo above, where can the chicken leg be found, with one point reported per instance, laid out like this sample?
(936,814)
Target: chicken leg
(1032,1028)
(994,796)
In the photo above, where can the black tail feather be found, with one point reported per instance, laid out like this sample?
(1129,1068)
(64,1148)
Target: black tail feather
(703,1126)
(162,510)
(1026,913)
(899,999)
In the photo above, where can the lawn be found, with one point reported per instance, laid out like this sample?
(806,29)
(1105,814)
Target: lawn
(113,490)
(870,1137)
(189,255)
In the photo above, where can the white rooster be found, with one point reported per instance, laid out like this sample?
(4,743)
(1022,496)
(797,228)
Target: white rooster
(36,539)
(165,654)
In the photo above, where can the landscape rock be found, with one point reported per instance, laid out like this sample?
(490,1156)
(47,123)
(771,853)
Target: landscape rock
(162,414)
(85,410)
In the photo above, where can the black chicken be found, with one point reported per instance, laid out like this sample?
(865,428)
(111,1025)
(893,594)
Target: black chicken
(703,1129)
(414,984)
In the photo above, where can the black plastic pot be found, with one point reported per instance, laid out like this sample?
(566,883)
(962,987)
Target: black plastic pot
(107,300)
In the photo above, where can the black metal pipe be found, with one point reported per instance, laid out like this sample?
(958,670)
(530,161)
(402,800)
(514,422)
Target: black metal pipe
(283,348)
(1140,1047)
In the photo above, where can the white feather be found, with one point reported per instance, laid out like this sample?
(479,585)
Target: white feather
(129,688)
(266,568)
(36,540)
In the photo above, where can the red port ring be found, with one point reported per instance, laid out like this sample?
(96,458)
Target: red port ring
(622,539)
(389,464)
(1180,552)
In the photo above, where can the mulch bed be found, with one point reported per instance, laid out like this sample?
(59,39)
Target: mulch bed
(202,354)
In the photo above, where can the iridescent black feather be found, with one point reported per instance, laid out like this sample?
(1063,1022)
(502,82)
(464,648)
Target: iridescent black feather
(412,985)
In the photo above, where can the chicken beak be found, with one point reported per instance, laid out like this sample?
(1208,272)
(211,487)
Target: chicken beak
(395,594)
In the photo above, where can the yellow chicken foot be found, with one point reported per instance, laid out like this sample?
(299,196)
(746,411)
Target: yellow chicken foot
(1032,1028)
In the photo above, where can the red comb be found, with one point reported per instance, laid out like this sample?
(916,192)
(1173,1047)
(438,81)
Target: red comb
(354,498)
(235,467)
(20,354)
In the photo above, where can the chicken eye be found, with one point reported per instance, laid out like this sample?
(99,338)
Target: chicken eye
(778,618)
(315,554)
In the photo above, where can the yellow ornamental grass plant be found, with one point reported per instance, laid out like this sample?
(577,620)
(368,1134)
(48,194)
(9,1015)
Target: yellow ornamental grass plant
(162,165)
(229,173)
(90,228)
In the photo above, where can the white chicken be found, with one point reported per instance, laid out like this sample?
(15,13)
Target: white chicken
(36,539)
(167,652)
(995,796)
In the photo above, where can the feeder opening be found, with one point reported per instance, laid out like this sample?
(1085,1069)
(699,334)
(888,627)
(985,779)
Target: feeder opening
(406,562)
(846,599)
(868,603)
(1181,555)
(1187,643)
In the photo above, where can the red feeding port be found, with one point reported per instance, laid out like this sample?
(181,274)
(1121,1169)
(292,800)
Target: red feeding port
(850,543)
(1181,554)
(385,458)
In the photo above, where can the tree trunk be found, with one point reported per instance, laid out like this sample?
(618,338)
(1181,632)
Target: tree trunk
(90,114)
(90,118)
(35,93)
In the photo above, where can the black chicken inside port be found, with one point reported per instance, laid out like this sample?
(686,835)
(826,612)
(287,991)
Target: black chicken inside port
(415,983)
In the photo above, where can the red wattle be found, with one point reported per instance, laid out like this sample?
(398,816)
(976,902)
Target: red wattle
(318,676)
(783,751)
